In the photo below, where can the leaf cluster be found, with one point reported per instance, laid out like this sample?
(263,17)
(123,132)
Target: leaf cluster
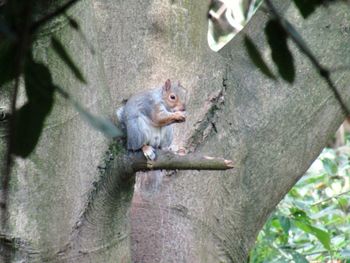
(312,223)
(278,31)
(18,31)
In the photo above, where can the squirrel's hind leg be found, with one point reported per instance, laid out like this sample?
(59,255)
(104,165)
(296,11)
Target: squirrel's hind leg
(149,152)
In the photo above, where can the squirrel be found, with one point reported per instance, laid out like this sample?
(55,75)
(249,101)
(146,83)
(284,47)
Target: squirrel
(147,118)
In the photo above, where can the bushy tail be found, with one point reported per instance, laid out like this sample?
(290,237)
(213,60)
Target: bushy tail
(120,117)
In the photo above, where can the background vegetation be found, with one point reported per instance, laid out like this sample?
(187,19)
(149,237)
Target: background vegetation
(312,222)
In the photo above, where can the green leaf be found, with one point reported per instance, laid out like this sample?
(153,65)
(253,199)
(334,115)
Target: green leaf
(343,203)
(275,223)
(294,193)
(307,7)
(7,62)
(256,57)
(75,25)
(28,127)
(304,181)
(101,124)
(298,258)
(285,223)
(320,234)
(38,84)
(299,215)
(277,39)
(63,54)
(330,166)
(30,117)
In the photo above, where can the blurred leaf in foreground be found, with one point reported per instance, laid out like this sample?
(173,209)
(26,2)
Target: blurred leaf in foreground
(281,55)
(257,58)
(30,117)
(307,7)
(320,234)
(7,61)
(63,54)
(104,125)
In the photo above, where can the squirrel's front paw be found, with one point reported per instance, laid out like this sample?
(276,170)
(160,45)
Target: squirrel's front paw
(149,152)
(180,116)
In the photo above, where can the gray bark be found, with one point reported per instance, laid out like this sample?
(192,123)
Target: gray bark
(270,129)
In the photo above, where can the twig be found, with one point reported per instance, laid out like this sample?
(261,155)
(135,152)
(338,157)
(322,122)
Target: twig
(330,198)
(289,257)
(323,72)
(320,252)
(52,15)
(169,161)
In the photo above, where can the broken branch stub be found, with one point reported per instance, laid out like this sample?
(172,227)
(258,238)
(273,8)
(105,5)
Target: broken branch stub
(170,161)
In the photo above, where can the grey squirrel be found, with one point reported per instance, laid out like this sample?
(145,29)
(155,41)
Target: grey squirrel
(147,118)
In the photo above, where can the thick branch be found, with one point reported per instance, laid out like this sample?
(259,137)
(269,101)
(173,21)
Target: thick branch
(110,196)
(301,44)
(169,161)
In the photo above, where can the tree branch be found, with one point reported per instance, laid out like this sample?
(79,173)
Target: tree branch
(169,161)
(111,194)
(301,44)
(330,198)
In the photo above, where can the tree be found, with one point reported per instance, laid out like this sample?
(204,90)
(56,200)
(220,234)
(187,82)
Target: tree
(63,208)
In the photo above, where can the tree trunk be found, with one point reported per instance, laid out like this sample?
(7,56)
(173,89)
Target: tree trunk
(270,129)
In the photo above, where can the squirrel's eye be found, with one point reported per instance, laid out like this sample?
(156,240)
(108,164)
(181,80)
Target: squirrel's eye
(172,97)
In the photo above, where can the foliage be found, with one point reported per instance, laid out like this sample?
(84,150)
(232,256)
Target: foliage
(30,117)
(255,56)
(278,30)
(312,223)
(17,62)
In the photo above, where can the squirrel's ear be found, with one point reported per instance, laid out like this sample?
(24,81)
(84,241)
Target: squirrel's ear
(167,85)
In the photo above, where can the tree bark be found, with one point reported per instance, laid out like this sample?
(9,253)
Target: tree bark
(70,200)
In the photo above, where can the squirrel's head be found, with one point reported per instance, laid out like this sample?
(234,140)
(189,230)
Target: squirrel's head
(174,96)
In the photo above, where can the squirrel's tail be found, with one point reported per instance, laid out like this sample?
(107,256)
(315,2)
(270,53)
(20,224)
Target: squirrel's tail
(120,114)
(120,117)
